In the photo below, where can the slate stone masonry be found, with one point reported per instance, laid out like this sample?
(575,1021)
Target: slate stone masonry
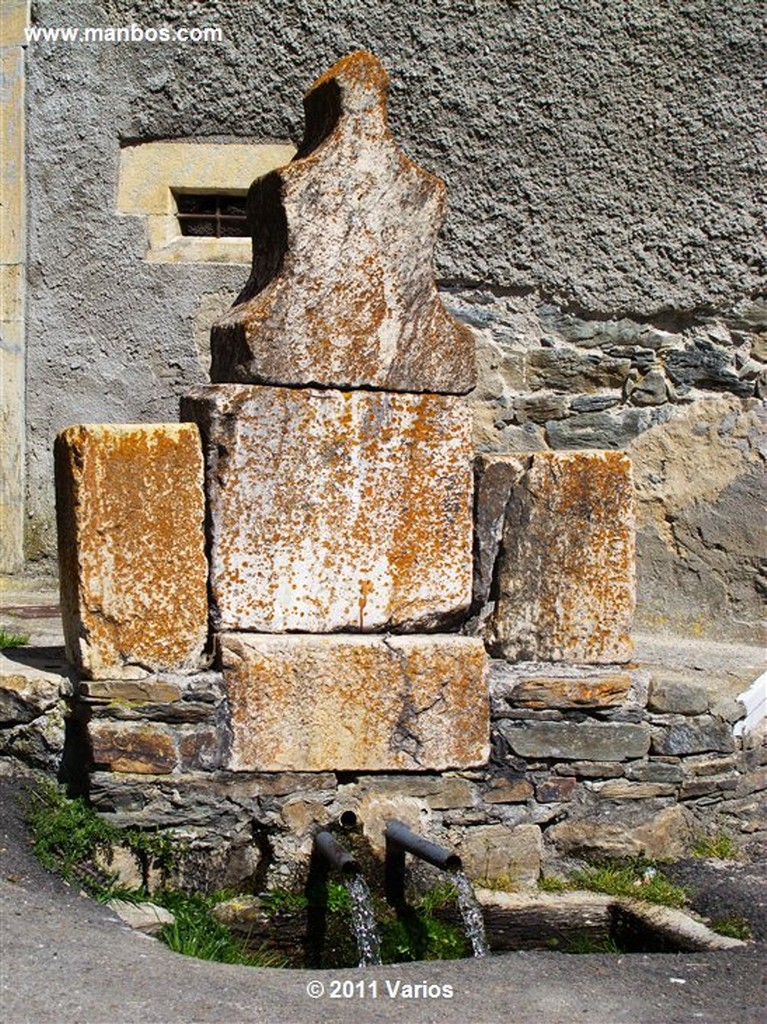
(591,774)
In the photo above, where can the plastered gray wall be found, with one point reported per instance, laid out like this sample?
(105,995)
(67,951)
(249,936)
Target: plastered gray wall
(601,160)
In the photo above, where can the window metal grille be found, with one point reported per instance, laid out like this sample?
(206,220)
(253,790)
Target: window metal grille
(211,214)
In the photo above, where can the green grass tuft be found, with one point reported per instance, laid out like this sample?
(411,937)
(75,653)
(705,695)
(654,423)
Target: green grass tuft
(583,943)
(735,927)
(8,638)
(68,836)
(195,932)
(283,901)
(639,879)
(721,845)
(553,884)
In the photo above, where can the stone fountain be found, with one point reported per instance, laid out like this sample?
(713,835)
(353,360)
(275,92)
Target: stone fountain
(280,608)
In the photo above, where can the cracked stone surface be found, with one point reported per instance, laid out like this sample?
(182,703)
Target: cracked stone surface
(131,513)
(355,703)
(335,510)
(556,554)
(342,289)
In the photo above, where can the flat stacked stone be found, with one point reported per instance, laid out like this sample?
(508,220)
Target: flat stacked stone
(355,703)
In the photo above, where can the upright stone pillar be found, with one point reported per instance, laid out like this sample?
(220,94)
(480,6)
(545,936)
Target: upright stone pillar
(338,461)
(556,545)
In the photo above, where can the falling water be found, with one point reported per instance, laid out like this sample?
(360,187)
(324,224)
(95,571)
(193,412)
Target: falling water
(471,912)
(363,921)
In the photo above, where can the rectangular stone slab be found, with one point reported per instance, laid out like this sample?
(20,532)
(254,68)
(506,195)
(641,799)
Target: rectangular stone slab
(311,703)
(335,510)
(564,572)
(131,512)
(574,741)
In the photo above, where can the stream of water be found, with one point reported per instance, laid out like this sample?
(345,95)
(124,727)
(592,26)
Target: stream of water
(363,921)
(471,913)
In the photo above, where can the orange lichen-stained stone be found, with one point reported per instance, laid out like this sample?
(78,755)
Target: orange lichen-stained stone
(141,748)
(130,510)
(355,703)
(565,576)
(342,290)
(333,510)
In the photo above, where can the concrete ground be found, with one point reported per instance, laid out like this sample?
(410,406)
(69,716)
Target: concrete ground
(68,960)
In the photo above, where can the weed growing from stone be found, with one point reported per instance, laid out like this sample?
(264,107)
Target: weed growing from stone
(196,933)
(283,901)
(583,943)
(498,883)
(639,879)
(10,639)
(71,839)
(554,884)
(721,845)
(735,927)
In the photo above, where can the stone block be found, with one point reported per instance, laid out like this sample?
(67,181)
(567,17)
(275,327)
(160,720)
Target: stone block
(154,691)
(355,703)
(591,769)
(603,690)
(693,736)
(669,697)
(26,692)
(451,794)
(342,290)
(144,917)
(496,851)
(665,835)
(555,789)
(334,510)
(565,573)
(131,512)
(141,749)
(621,789)
(575,741)
(566,369)
(508,791)
(654,771)
(495,478)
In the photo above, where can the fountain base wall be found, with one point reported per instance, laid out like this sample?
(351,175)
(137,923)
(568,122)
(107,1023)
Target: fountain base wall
(156,754)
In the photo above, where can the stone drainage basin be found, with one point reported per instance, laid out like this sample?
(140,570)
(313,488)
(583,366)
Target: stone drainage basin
(568,922)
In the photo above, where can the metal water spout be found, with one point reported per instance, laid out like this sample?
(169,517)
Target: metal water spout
(401,840)
(336,856)
(328,853)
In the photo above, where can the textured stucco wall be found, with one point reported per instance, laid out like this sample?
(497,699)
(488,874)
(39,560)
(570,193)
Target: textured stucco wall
(601,159)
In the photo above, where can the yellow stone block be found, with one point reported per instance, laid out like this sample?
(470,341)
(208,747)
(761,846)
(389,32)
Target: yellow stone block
(14,18)
(130,512)
(566,565)
(355,703)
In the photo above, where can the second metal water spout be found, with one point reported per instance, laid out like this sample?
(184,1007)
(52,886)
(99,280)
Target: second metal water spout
(400,840)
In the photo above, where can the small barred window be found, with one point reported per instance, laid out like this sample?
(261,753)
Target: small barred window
(211,214)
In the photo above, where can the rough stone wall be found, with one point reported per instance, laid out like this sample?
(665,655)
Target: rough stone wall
(684,397)
(583,765)
(601,164)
